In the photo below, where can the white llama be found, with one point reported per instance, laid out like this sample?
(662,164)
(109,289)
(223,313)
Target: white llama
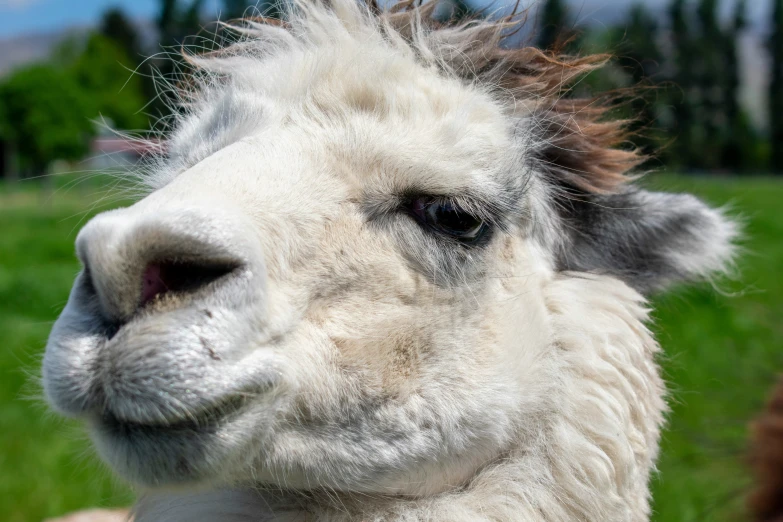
(386,272)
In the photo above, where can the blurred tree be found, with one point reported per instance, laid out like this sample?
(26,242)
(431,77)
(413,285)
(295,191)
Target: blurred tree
(641,53)
(233,9)
(711,82)
(68,50)
(639,56)
(118,28)
(178,24)
(688,106)
(776,87)
(167,19)
(682,103)
(105,72)
(191,22)
(7,147)
(179,20)
(736,140)
(553,24)
(48,110)
(236,9)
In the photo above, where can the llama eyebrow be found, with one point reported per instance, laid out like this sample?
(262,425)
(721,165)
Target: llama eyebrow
(493,209)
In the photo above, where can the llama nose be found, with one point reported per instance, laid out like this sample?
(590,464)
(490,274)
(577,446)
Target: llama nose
(133,258)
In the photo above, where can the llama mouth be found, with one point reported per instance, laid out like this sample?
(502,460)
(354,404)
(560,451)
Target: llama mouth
(206,420)
(180,452)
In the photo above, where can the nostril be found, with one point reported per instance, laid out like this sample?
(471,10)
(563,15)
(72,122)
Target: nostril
(179,276)
(152,284)
(133,257)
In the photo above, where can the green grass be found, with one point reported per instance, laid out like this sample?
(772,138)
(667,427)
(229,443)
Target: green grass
(722,355)
(46,465)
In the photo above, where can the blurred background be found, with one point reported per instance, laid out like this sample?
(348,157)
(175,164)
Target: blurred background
(710,107)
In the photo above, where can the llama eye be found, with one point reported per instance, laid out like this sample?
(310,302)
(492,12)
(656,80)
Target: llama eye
(448,219)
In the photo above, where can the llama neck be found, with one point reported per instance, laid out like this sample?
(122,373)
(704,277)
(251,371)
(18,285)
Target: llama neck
(584,453)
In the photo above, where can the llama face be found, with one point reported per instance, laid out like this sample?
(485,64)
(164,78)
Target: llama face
(337,280)
(307,321)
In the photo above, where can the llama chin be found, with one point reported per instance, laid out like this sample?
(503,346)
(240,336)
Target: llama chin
(385,271)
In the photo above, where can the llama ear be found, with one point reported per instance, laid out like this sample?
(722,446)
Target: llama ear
(648,239)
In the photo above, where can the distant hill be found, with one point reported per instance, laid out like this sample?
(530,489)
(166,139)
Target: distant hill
(19,50)
(27,48)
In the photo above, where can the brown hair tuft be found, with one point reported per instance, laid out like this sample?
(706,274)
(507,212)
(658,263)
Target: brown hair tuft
(578,140)
(766,502)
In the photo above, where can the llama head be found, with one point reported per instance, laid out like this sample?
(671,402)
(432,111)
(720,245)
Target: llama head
(336,280)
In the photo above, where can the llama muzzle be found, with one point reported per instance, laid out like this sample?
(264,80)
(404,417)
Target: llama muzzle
(134,260)
(158,319)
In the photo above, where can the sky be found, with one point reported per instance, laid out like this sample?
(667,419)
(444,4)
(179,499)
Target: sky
(40,16)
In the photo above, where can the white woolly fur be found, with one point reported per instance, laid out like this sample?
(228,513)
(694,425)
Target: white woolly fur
(349,364)
(583,452)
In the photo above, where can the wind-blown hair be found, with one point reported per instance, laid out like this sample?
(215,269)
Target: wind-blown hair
(576,143)
(322,57)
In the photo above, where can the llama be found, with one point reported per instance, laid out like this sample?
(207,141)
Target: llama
(385,271)
(766,502)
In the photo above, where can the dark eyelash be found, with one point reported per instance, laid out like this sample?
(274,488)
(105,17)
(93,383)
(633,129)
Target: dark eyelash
(448,219)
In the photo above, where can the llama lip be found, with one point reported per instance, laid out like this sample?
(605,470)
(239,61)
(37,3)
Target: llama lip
(206,419)
(215,362)
(155,453)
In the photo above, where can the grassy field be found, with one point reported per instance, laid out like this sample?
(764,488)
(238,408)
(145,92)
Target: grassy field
(46,466)
(723,350)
